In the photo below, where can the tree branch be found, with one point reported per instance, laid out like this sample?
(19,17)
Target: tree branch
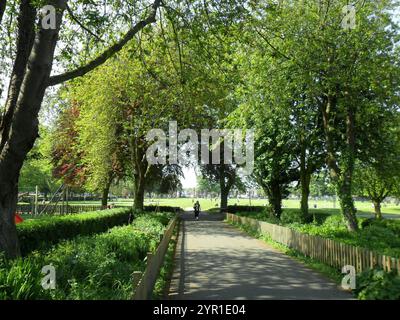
(108,53)
(82,25)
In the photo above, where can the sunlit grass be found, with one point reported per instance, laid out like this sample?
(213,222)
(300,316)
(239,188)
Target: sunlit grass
(330,207)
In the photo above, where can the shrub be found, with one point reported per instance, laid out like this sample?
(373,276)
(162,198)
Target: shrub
(377,284)
(294,216)
(235,209)
(42,233)
(162,209)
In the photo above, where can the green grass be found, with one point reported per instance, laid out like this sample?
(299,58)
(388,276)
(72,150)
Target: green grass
(206,204)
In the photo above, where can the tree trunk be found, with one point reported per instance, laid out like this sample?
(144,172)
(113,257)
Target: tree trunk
(104,197)
(305,178)
(347,205)
(305,193)
(341,176)
(224,199)
(106,190)
(24,129)
(139,192)
(8,231)
(347,202)
(275,199)
(377,207)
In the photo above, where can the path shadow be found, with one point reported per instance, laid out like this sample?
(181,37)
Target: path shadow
(219,262)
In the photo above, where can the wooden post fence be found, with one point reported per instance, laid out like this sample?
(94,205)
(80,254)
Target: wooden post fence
(144,282)
(330,252)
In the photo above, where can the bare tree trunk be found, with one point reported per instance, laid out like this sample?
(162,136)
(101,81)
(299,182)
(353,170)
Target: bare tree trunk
(141,167)
(8,231)
(104,196)
(305,193)
(224,199)
(305,178)
(275,199)
(378,212)
(139,193)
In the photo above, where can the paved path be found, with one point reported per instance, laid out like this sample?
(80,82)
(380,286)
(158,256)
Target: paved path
(217,261)
(384,215)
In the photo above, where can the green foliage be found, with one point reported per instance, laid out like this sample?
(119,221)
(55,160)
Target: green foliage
(294,216)
(376,284)
(385,239)
(87,267)
(320,185)
(37,169)
(42,233)
(207,186)
(66,157)
(379,180)
(20,279)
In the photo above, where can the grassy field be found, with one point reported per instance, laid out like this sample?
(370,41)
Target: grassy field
(206,204)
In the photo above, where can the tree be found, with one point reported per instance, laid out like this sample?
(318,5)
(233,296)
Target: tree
(375,184)
(350,76)
(120,102)
(65,152)
(164,179)
(225,176)
(207,186)
(30,76)
(378,177)
(274,155)
(321,185)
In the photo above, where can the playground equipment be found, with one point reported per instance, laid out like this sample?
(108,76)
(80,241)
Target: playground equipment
(58,203)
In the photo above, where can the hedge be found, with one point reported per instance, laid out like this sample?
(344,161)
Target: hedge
(37,234)
(235,209)
(162,209)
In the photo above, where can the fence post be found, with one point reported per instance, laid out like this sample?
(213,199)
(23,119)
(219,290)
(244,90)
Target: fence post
(136,276)
(149,257)
(36,199)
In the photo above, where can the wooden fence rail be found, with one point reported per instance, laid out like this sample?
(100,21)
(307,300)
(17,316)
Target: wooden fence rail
(144,282)
(330,252)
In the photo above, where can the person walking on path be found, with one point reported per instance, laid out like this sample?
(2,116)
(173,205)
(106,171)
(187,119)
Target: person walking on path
(196,208)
